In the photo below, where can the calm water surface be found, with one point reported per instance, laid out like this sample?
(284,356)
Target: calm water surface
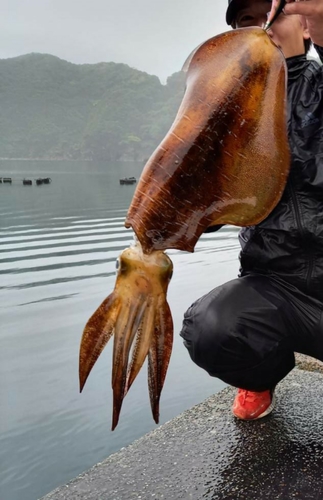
(58,246)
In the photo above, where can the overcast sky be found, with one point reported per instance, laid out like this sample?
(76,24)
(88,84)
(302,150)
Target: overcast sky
(154,36)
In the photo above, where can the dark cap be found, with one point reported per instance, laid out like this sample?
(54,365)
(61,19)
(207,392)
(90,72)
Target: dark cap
(231,11)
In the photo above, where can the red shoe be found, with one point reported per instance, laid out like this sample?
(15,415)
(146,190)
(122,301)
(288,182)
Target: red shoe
(250,405)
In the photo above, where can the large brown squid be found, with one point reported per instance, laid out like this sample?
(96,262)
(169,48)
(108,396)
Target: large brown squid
(225,160)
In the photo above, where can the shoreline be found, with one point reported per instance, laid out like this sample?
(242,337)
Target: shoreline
(205,453)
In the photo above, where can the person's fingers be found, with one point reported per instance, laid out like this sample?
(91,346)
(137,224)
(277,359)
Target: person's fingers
(307,8)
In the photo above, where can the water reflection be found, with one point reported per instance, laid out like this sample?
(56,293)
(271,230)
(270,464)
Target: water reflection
(58,246)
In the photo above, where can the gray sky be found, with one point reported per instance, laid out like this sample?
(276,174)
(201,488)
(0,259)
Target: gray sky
(154,36)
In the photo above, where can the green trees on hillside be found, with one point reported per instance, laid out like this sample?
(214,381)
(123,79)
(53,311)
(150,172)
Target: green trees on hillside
(54,109)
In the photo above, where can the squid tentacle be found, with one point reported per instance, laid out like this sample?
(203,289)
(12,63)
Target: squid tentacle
(142,343)
(159,354)
(97,333)
(133,313)
(126,328)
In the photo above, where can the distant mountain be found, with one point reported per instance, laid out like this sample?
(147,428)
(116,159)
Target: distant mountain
(51,108)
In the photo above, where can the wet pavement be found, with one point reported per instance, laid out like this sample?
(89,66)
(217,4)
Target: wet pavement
(207,454)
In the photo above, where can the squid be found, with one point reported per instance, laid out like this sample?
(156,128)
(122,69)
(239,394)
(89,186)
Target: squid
(225,160)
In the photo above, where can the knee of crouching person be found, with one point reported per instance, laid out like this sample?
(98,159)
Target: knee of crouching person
(204,336)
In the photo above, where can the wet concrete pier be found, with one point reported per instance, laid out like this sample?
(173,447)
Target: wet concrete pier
(207,454)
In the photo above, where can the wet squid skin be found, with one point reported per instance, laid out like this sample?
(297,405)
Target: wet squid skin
(225,160)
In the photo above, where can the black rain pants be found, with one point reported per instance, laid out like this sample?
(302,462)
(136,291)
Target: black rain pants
(246,331)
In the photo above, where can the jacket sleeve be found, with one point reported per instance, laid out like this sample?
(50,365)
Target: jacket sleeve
(319,50)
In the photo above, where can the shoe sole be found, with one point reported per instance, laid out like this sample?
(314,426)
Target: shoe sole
(269,409)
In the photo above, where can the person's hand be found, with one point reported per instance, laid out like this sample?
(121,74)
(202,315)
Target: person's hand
(311,12)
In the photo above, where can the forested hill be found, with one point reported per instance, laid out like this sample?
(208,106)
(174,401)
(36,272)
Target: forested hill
(50,108)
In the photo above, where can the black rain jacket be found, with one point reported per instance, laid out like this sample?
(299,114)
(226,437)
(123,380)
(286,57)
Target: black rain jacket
(289,242)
